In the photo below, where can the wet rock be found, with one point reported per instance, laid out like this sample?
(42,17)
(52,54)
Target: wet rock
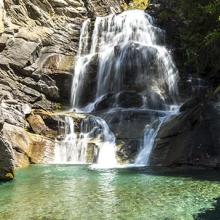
(147,87)
(127,150)
(92,153)
(89,83)
(106,102)
(129,124)
(128,99)
(189,104)
(64,85)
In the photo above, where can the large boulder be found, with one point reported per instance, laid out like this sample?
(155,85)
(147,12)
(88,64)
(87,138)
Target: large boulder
(37,124)
(28,147)
(190,138)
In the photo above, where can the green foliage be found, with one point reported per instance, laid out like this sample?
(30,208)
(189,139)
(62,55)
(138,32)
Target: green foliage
(212,37)
(198,33)
(58,106)
(136,4)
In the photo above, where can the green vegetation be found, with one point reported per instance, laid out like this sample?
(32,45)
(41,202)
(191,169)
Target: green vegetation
(136,4)
(197,34)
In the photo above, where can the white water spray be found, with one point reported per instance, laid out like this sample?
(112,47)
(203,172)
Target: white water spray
(107,153)
(149,137)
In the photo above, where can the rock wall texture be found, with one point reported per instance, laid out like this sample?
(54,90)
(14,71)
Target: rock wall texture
(38,44)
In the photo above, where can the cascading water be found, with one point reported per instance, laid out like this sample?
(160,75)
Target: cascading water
(106,158)
(150,133)
(123,46)
(149,137)
(72,149)
(123,68)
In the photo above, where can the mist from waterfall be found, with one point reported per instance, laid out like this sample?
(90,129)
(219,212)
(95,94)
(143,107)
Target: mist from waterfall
(125,53)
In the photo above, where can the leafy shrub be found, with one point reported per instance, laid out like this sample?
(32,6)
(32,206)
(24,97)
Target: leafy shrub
(136,4)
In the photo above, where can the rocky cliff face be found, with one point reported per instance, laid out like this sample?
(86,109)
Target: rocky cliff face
(38,43)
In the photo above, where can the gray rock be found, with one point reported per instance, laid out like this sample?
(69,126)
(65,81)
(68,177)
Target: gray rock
(19,53)
(59,3)
(26,109)
(191,138)
(40,38)
(6,160)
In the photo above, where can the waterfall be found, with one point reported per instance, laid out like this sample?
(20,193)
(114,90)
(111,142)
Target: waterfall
(149,137)
(122,64)
(107,155)
(72,149)
(122,44)
(150,133)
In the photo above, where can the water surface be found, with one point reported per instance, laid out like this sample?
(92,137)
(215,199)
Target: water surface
(76,192)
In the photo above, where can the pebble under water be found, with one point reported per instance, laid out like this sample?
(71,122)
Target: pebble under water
(76,192)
